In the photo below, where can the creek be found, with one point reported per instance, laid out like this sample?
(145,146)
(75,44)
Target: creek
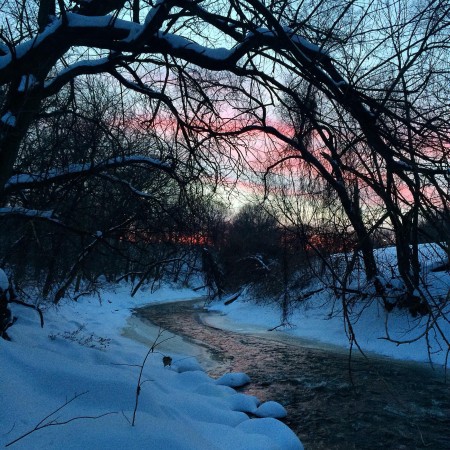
(333,401)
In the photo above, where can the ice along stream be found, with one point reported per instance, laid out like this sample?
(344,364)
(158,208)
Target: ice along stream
(380,403)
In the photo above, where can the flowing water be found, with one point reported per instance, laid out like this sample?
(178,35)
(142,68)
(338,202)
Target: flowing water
(332,402)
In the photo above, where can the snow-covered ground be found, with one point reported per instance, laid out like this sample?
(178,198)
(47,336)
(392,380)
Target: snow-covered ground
(323,326)
(74,382)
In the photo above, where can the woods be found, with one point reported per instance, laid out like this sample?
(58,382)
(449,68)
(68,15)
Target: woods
(120,122)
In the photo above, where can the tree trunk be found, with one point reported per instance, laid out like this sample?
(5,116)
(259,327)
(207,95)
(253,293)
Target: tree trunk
(365,243)
(19,111)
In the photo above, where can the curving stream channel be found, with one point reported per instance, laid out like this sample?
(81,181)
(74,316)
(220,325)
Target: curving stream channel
(380,403)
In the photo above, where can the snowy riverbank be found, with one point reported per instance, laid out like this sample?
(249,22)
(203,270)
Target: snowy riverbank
(75,380)
(323,326)
(320,319)
(83,370)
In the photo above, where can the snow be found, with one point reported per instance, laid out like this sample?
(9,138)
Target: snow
(323,326)
(271,409)
(270,427)
(27,82)
(78,66)
(9,119)
(82,363)
(180,42)
(22,49)
(262,30)
(341,83)
(74,21)
(234,379)
(72,169)
(79,21)
(306,44)
(153,11)
(18,210)
(137,31)
(4,282)
(75,380)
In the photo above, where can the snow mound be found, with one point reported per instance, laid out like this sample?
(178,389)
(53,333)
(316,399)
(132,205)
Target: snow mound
(244,403)
(60,376)
(286,438)
(186,365)
(234,380)
(271,409)
(214,390)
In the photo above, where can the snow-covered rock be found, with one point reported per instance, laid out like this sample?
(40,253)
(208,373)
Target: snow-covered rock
(234,380)
(271,409)
(286,438)
(244,403)
(186,365)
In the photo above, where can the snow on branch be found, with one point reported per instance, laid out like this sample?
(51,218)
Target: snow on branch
(78,30)
(109,32)
(78,68)
(118,35)
(23,180)
(8,119)
(127,185)
(178,42)
(19,211)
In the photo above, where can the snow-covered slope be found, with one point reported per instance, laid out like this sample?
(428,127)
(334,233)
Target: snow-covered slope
(75,381)
(320,319)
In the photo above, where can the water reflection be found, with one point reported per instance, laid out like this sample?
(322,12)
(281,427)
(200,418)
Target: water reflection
(377,404)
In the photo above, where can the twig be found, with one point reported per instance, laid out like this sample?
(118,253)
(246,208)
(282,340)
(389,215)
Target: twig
(20,302)
(126,418)
(140,383)
(276,327)
(47,422)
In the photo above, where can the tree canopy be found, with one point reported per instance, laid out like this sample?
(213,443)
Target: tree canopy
(354,93)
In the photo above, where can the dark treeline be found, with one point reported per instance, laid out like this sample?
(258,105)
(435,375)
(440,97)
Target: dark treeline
(96,195)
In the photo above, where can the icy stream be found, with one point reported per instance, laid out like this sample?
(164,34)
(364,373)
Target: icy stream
(380,403)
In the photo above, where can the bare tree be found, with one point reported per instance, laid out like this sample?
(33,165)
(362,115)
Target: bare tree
(373,121)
